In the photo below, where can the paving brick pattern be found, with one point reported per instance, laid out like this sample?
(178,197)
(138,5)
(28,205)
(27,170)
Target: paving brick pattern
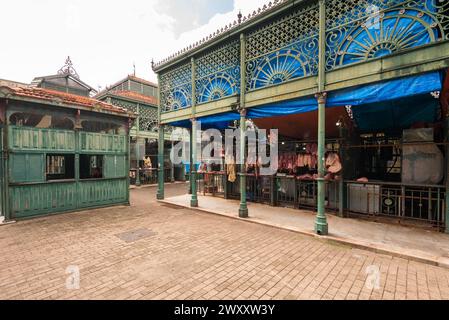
(191,255)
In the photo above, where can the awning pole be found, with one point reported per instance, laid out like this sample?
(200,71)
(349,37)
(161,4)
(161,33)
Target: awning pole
(446,209)
(321,226)
(243,209)
(160,168)
(194,141)
(160,154)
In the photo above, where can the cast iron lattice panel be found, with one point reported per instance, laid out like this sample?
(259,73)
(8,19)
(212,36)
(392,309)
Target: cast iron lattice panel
(360,30)
(299,24)
(284,49)
(218,73)
(127,105)
(147,118)
(176,88)
(220,59)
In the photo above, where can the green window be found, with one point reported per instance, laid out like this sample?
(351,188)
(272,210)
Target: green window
(27,168)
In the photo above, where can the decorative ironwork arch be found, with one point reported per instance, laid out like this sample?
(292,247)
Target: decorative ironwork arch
(393,31)
(216,87)
(178,99)
(278,67)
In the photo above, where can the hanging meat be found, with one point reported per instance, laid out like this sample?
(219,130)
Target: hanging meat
(333,163)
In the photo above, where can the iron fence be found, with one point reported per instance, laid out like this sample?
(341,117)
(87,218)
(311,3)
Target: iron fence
(148,176)
(407,202)
(211,183)
(425,203)
(307,194)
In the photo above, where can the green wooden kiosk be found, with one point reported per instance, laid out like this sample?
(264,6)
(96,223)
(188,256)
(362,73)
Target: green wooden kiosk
(61,152)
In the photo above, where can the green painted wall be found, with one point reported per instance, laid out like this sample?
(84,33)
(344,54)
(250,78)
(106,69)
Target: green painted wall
(29,192)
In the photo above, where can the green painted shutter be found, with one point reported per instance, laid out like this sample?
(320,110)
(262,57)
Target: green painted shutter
(27,168)
(114,166)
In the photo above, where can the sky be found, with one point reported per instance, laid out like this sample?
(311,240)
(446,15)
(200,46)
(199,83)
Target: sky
(105,38)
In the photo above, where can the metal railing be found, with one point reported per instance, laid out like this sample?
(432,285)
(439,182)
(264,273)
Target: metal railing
(259,188)
(408,202)
(211,183)
(307,194)
(148,176)
(425,203)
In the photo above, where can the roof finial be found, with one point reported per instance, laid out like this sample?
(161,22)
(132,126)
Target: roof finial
(239,16)
(68,68)
(134,67)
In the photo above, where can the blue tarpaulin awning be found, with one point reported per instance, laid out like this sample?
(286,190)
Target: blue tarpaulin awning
(369,102)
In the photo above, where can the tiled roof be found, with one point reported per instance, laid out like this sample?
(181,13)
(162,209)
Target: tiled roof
(134,78)
(62,97)
(136,96)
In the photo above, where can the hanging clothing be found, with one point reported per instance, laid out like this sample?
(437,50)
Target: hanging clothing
(231,172)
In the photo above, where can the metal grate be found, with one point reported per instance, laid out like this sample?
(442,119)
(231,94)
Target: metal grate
(135,235)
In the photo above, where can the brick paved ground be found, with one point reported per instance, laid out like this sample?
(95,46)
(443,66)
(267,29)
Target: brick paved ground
(193,256)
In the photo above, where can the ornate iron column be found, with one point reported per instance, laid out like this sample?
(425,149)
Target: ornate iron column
(172,168)
(446,210)
(78,127)
(243,210)
(160,155)
(190,161)
(321,226)
(3,177)
(193,140)
(160,164)
(137,149)
(193,145)
(137,153)
(341,183)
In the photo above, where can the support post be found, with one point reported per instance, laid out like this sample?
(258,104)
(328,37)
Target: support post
(190,162)
(172,168)
(243,210)
(160,156)
(2,178)
(193,145)
(160,165)
(321,226)
(341,183)
(273,191)
(78,128)
(446,212)
(137,151)
(193,140)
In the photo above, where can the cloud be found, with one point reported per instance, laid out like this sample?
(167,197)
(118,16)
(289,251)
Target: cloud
(188,15)
(105,40)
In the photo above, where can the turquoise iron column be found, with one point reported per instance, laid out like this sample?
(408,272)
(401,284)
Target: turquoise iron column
(243,210)
(321,226)
(193,147)
(193,141)
(2,176)
(446,213)
(160,156)
(172,167)
(190,162)
(160,164)
(137,149)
